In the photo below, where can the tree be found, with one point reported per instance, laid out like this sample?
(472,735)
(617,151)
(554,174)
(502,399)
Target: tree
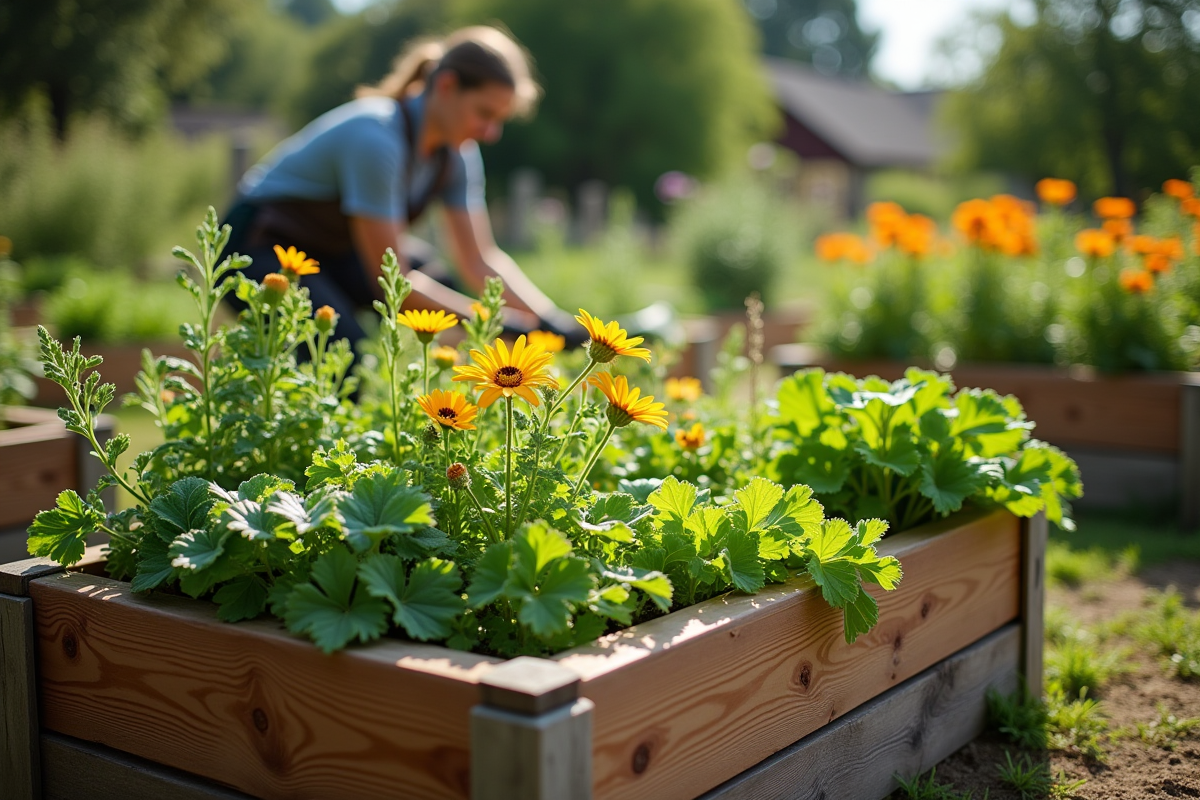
(1099,91)
(633,89)
(824,33)
(115,56)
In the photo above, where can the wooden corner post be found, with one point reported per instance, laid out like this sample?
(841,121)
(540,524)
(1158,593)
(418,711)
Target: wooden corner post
(531,736)
(20,745)
(1189,457)
(1034,533)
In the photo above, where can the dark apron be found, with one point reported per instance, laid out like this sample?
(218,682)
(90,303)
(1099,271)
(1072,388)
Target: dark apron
(319,226)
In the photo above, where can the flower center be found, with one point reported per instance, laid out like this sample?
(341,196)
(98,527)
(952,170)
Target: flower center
(509,377)
(447,413)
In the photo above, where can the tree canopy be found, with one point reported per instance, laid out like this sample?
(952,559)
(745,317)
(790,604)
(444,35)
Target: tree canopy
(824,33)
(1098,91)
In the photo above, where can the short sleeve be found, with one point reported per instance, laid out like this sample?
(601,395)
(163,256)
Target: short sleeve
(370,162)
(465,184)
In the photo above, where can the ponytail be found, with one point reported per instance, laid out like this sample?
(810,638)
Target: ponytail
(477,56)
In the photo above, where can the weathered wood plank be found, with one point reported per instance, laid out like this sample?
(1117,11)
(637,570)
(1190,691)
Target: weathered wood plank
(249,704)
(1034,533)
(33,472)
(15,576)
(546,756)
(75,769)
(689,700)
(1189,457)
(19,761)
(1075,407)
(907,730)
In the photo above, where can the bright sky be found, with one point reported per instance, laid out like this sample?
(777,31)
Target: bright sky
(910,32)
(910,28)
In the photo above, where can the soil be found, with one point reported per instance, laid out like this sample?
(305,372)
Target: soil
(1131,770)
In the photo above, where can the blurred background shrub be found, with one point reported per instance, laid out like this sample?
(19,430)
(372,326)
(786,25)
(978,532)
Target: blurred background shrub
(112,307)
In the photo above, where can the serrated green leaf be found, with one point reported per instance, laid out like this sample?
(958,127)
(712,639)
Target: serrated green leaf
(250,520)
(61,533)
(984,425)
(154,564)
(949,478)
(673,499)
(655,584)
(835,539)
(883,572)
(546,607)
(115,446)
(838,580)
(797,513)
(859,616)
(744,570)
(678,548)
(709,527)
(425,602)
(197,550)
(261,486)
(329,610)
(318,510)
(490,575)
(381,505)
(900,455)
(804,401)
(184,506)
(242,598)
(535,546)
(871,530)
(757,499)
(821,466)
(330,466)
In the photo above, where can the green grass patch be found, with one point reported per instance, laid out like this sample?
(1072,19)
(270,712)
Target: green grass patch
(1033,780)
(1172,631)
(1166,731)
(1157,542)
(930,789)
(1077,665)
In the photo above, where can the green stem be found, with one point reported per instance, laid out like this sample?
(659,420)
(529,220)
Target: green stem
(591,462)
(574,424)
(394,393)
(487,523)
(425,367)
(508,433)
(446,442)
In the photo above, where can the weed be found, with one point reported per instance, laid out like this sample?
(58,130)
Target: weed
(1077,665)
(1167,730)
(1034,781)
(1076,725)
(1019,716)
(1173,632)
(932,790)
(1072,567)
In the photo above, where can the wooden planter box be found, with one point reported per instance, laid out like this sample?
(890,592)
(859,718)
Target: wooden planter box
(705,335)
(741,696)
(122,363)
(1135,437)
(39,458)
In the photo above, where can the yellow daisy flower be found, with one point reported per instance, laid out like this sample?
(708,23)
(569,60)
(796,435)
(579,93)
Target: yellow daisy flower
(427,324)
(690,439)
(610,341)
(626,405)
(686,390)
(501,373)
(295,263)
(550,342)
(445,357)
(449,409)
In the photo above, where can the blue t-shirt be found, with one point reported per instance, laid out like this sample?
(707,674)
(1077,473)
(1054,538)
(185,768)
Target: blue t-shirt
(357,152)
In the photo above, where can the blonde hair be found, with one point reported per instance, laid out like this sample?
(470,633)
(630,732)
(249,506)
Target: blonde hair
(477,55)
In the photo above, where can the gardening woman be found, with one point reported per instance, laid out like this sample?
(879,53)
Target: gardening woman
(352,182)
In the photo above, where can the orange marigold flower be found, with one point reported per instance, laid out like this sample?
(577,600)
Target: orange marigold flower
(916,235)
(1142,244)
(449,409)
(626,405)
(692,439)
(1156,263)
(684,390)
(1136,281)
(295,263)
(1181,190)
(973,219)
(1118,229)
(1171,247)
(885,220)
(1055,191)
(1095,242)
(1114,208)
(842,246)
(1191,206)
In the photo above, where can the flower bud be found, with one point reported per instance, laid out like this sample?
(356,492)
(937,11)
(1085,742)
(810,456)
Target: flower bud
(326,319)
(457,476)
(274,287)
(431,434)
(445,357)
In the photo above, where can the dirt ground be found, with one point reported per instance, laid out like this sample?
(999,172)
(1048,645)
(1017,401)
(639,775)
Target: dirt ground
(1132,769)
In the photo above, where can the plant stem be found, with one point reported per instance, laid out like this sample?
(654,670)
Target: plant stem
(446,442)
(487,523)
(591,462)
(574,424)
(425,366)
(508,448)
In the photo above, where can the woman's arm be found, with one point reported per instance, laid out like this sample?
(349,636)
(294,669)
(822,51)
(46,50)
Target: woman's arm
(372,237)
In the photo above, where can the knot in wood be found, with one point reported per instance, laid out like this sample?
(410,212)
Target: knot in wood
(641,758)
(260,720)
(804,676)
(70,646)
(926,607)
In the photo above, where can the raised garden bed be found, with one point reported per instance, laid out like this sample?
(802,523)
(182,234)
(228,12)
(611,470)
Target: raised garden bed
(739,696)
(1136,438)
(39,458)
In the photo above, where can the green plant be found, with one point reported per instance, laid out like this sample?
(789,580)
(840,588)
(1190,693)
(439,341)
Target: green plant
(1033,780)
(93,305)
(1076,665)
(1173,632)
(1020,716)
(1070,567)
(273,492)
(913,450)
(16,363)
(1077,724)
(932,790)
(1167,730)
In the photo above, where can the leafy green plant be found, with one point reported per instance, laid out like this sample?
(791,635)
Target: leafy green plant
(275,493)
(914,450)
(91,305)
(1076,723)
(1070,567)
(1020,716)
(1033,780)
(1173,631)
(1077,665)
(930,789)
(1166,731)
(16,362)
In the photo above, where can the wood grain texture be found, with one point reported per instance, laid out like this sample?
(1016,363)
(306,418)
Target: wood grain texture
(20,767)
(37,461)
(522,757)
(906,731)
(1071,407)
(689,700)
(76,769)
(249,705)
(1034,534)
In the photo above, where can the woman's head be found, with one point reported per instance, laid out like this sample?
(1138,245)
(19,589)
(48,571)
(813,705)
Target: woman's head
(477,77)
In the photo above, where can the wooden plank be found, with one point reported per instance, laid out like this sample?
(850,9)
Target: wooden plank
(689,700)
(249,704)
(1034,533)
(19,758)
(1071,407)
(532,757)
(15,576)
(32,473)
(74,769)
(907,730)
(1189,456)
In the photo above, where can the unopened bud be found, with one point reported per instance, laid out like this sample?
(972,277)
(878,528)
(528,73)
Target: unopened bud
(431,434)
(445,357)
(274,287)
(326,319)
(458,476)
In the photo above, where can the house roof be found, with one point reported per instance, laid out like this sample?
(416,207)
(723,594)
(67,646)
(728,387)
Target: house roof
(867,125)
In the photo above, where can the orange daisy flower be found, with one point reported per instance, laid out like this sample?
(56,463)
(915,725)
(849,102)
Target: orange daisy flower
(449,409)
(497,372)
(1055,191)
(626,405)
(610,341)
(295,263)
(427,324)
